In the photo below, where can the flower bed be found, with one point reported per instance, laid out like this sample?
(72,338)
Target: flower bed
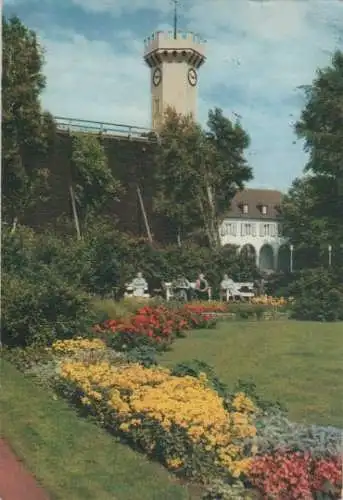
(237,444)
(180,421)
(296,476)
(156,326)
(268,300)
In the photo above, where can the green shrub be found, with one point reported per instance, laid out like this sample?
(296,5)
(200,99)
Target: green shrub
(105,259)
(194,367)
(248,387)
(26,359)
(144,355)
(41,308)
(277,432)
(221,490)
(17,249)
(318,296)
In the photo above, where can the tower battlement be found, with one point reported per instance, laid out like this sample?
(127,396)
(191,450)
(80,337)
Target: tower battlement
(162,44)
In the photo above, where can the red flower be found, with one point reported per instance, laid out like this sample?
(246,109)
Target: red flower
(294,476)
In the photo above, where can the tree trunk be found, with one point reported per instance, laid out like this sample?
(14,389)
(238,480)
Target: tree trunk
(213,218)
(207,226)
(74,208)
(178,238)
(14,225)
(145,217)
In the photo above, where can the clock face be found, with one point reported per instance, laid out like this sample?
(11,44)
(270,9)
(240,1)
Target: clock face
(192,77)
(157,77)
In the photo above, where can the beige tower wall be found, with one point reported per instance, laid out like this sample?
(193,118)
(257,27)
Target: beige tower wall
(174,90)
(174,57)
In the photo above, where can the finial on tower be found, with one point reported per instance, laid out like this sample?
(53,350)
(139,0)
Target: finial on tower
(175,2)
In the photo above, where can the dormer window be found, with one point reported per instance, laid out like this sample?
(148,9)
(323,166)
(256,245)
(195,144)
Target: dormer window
(245,208)
(264,209)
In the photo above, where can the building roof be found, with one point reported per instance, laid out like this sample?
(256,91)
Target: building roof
(255,199)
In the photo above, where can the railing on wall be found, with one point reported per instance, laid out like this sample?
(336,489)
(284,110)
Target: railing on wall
(105,128)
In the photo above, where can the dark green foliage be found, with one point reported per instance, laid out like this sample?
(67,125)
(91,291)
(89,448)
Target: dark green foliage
(144,355)
(41,308)
(106,259)
(249,388)
(27,132)
(46,278)
(312,210)
(222,490)
(249,311)
(25,359)
(194,367)
(318,296)
(197,173)
(93,180)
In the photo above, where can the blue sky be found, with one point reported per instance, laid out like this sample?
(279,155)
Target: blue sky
(258,53)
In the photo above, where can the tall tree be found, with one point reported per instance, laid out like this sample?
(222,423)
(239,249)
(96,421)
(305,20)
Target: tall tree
(27,132)
(198,172)
(92,183)
(175,167)
(313,208)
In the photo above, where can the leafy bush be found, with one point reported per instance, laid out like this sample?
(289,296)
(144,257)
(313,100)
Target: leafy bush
(144,355)
(221,490)
(41,308)
(194,368)
(265,406)
(317,296)
(16,250)
(105,259)
(26,359)
(275,432)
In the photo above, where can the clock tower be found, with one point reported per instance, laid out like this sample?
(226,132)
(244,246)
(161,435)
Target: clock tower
(174,58)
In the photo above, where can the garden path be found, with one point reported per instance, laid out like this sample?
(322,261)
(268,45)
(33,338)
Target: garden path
(16,483)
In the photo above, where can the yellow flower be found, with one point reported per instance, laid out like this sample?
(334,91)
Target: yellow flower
(242,403)
(174,463)
(135,394)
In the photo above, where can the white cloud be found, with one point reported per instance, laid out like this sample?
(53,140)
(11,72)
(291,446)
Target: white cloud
(88,79)
(119,7)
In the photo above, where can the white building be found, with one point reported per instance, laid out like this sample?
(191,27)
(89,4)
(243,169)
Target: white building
(254,225)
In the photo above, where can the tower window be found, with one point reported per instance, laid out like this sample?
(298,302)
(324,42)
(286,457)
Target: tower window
(245,208)
(156,106)
(264,209)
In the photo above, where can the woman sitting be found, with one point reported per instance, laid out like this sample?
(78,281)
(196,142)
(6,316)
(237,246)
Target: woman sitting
(201,287)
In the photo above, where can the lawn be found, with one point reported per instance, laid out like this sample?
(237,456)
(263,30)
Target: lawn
(298,363)
(70,456)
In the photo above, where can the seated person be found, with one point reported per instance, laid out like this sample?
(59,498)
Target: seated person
(201,287)
(182,288)
(139,285)
(228,285)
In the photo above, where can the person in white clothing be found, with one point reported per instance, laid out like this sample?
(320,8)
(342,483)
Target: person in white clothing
(228,287)
(139,285)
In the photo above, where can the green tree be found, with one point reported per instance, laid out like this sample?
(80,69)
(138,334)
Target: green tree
(27,132)
(197,172)
(175,165)
(313,208)
(93,184)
